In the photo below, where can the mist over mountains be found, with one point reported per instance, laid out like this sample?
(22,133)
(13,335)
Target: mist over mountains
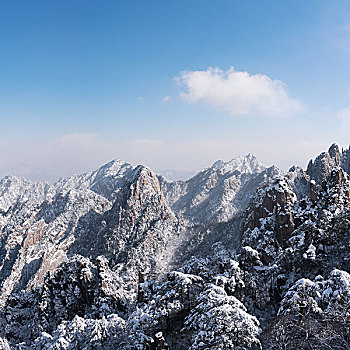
(124,258)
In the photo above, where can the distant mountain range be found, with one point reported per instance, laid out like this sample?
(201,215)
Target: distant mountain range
(30,172)
(124,258)
(36,173)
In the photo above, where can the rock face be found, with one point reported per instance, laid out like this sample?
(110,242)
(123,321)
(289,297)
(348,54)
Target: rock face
(322,166)
(275,212)
(218,193)
(313,191)
(271,211)
(239,256)
(113,211)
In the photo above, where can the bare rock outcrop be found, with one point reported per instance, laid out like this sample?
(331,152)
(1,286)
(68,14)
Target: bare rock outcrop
(272,207)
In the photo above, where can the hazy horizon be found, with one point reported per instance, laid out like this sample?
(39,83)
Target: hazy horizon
(52,174)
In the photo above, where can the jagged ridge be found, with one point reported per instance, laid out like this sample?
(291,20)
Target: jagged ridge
(293,237)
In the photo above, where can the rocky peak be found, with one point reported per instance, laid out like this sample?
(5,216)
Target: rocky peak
(271,209)
(113,168)
(105,181)
(299,180)
(321,167)
(248,164)
(218,193)
(345,160)
(145,185)
(277,215)
(139,224)
(144,195)
(334,153)
(336,190)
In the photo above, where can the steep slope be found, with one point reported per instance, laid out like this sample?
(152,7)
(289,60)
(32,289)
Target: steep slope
(117,210)
(293,247)
(321,167)
(35,238)
(105,181)
(17,189)
(136,226)
(78,289)
(218,193)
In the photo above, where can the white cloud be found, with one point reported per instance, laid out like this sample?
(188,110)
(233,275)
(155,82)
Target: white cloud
(167,99)
(238,93)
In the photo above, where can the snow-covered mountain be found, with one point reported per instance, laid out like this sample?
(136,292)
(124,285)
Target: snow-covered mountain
(176,174)
(218,193)
(112,211)
(120,258)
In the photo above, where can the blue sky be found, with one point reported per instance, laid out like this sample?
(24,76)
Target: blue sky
(83,82)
